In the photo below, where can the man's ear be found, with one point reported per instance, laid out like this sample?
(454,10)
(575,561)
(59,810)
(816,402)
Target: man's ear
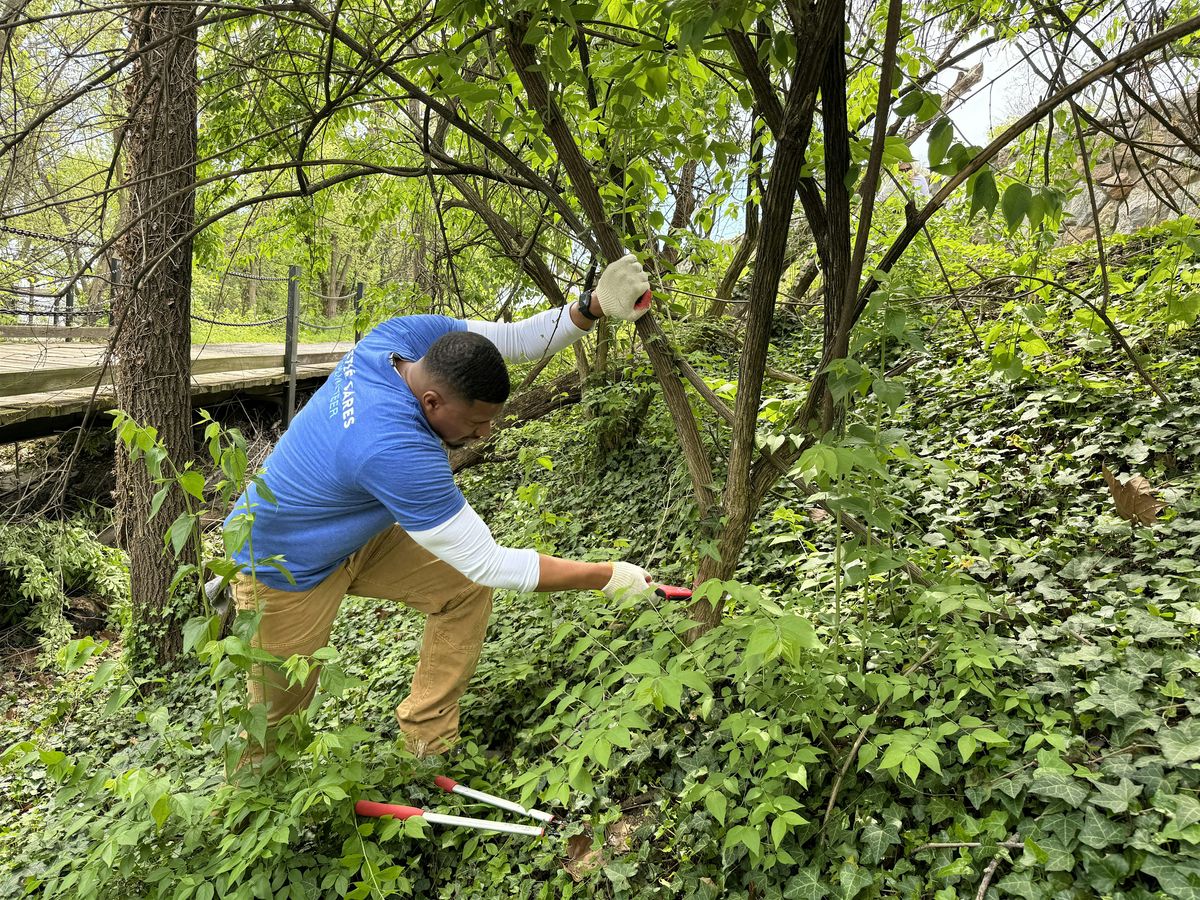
(431,399)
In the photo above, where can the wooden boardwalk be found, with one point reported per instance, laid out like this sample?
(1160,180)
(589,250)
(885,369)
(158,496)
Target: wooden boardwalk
(44,385)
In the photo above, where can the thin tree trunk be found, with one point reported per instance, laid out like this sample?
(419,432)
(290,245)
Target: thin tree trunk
(794,123)
(654,340)
(152,306)
(250,288)
(331,277)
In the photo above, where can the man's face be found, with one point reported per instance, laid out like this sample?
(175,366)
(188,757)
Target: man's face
(458,422)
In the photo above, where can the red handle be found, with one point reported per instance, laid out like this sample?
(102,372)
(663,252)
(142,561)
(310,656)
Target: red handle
(371,808)
(446,784)
(644,301)
(670,592)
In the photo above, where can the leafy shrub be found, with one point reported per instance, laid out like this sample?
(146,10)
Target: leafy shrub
(43,564)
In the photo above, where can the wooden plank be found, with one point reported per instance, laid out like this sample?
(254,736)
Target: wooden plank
(31,407)
(44,381)
(210,364)
(76,332)
(38,370)
(51,381)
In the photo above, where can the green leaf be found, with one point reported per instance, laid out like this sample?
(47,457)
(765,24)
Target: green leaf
(1015,205)
(1058,857)
(237,533)
(157,501)
(779,830)
(1186,809)
(180,531)
(984,196)
(896,149)
(192,482)
(1105,871)
(1099,831)
(900,746)
(928,756)
(806,884)
(875,840)
(254,721)
(416,827)
(930,107)
(198,631)
(796,633)
(747,837)
(1037,211)
(819,459)
(764,642)
(890,393)
(1059,786)
(103,673)
(910,103)
(1020,883)
(940,136)
(1177,877)
(987,736)
(161,809)
(967,746)
(1181,743)
(1116,797)
(854,878)
(716,804)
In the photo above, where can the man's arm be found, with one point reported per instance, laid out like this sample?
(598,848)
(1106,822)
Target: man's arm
(465,542)
(557,574)
(541,335)
(624,291)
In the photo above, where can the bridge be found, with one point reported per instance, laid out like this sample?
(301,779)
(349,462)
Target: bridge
(48,385)
(55,373)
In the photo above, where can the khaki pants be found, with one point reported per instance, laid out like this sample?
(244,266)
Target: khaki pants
(392,566)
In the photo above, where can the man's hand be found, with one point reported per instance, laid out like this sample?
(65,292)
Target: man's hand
(624,290)
(628,578)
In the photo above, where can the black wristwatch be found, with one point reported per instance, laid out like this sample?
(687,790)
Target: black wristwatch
(585,306)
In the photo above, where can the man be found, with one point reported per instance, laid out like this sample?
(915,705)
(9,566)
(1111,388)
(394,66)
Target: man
(362,501)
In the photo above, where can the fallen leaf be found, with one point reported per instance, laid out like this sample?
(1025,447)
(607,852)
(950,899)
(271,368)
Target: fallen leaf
(1135,498)
(620,833)
(581,858)
(618,839)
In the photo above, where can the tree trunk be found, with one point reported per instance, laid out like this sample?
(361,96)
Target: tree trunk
(332,287)
(653,339)
(250,288)
(792,127)
(151,309)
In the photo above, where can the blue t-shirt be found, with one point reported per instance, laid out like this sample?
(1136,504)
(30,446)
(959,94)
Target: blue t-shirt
(358,457)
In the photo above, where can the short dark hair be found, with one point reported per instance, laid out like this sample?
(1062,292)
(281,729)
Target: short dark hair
(469,365)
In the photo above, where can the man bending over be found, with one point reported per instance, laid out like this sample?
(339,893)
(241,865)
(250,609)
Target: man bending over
(366,504)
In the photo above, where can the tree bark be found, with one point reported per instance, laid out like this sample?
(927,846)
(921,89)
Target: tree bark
(739,501)
(332,283)
(152,307)
(250,289)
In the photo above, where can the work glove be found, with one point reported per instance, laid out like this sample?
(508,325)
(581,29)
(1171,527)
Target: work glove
(626,577)
(624,289)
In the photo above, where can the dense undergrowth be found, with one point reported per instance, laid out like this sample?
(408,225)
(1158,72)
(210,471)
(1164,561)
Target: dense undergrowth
(1026,721)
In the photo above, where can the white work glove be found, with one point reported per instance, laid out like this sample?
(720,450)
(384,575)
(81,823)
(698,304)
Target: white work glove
(624,289)
(626,577)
